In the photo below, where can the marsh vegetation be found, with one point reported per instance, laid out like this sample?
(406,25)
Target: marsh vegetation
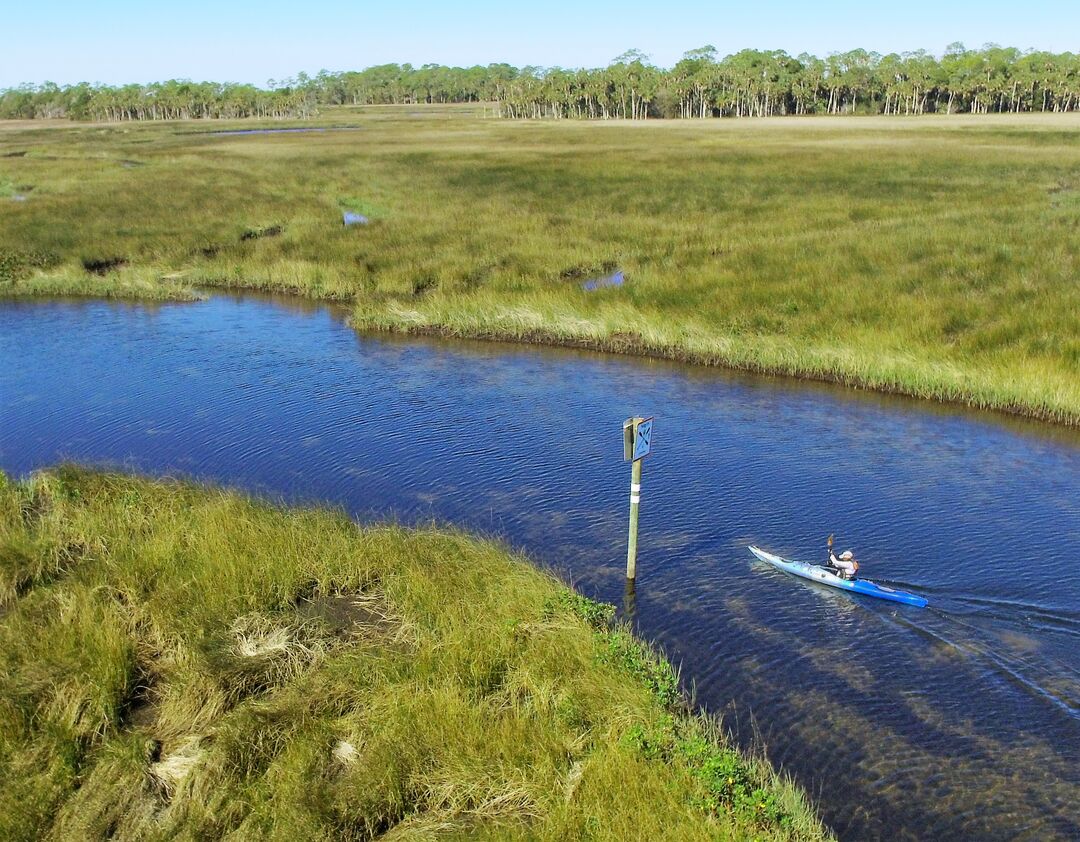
(183,661)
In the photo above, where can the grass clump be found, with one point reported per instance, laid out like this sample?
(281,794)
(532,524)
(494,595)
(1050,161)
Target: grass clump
(726,782)
(132,284)
(259,233)
(182,661)
(17,264)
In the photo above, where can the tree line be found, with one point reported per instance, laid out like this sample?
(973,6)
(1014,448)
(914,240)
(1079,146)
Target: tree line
(172,100)
(750,83)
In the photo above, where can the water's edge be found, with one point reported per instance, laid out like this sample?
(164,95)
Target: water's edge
(628,345)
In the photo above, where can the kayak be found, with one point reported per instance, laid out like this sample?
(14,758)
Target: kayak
(823,575)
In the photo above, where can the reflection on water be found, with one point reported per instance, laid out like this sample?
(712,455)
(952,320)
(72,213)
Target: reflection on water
(961,720)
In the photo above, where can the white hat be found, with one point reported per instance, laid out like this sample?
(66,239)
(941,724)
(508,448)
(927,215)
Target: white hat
(847,555)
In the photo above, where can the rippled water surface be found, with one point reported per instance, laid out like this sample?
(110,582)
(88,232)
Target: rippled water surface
(961,720)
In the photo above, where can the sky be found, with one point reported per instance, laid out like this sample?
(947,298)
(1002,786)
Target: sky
(119,41)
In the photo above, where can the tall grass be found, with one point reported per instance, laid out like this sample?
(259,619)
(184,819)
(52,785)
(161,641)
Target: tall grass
(178,661)
(936,257)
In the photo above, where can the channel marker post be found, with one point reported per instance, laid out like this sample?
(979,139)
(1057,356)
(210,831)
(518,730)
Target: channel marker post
(637,443)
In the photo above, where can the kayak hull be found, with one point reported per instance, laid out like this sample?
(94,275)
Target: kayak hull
(823,576)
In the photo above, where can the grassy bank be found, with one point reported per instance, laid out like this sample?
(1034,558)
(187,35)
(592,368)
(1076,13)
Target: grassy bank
(936,257)
(181,661)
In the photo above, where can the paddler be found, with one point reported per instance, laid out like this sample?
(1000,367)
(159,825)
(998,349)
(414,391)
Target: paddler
(845,564)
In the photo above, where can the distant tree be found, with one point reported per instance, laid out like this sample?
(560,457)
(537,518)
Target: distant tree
(700,85)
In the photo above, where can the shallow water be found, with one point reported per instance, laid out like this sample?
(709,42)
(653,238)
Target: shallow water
(615,279)
(295,130)
(961,720)
(353,218)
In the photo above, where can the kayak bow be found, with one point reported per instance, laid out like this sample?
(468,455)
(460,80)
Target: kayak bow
(822,575)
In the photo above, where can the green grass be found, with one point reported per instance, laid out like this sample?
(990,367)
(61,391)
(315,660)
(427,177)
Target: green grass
(935,256)
(179,661)
(362,206)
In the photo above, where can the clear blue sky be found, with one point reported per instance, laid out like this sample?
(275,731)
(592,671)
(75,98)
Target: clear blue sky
(123,41)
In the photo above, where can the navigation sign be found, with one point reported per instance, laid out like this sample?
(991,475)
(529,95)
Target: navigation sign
(642,439)
(637,438)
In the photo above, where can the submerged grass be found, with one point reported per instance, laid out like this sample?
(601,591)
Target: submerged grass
(183,661)
(936,257)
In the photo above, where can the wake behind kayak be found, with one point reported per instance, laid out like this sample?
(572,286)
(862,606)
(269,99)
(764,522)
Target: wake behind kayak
(822,575)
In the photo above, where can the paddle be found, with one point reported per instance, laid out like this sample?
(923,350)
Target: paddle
(828,563)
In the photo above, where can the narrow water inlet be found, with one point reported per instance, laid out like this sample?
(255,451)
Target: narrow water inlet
(289,130)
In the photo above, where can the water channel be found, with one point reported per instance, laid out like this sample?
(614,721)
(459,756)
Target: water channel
(961,720)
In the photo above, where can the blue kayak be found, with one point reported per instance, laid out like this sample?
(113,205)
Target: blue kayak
(825,576)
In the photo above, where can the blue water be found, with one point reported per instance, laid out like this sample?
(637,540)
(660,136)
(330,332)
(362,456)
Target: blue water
(958,721)
(296,130)
(615,279)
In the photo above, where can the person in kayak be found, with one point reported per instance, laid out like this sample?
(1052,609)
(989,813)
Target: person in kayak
(845,564)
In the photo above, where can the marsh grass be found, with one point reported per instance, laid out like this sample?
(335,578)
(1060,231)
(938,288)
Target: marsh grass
(362,206)
(179,661)
(935,257)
